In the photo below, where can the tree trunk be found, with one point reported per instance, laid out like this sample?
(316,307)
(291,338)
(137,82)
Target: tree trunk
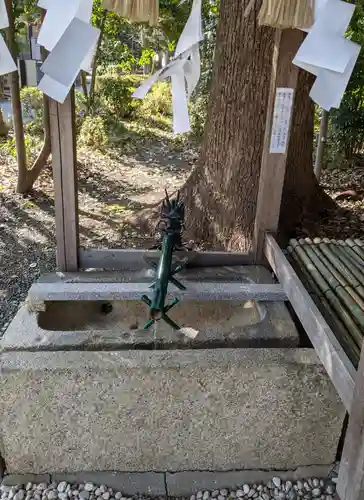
(303,200)
(91,95)
(221,193)
(32,174)
(16,104)
(3,128)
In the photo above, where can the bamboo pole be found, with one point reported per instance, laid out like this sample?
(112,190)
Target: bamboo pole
(333,320)
(341,267)
(342,301)
(340,278)
(351,254)
(357,272)
(357,248)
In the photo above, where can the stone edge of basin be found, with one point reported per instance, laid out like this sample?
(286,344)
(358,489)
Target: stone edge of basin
(89,360)
(171,483)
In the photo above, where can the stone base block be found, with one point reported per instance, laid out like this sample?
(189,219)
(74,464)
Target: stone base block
(174,410)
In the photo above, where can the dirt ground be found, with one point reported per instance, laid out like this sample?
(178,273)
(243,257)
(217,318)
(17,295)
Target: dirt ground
(112,187)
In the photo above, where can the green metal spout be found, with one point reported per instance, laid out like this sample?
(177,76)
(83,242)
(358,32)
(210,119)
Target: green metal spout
(171,225)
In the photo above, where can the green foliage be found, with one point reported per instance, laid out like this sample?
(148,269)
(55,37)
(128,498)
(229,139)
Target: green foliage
(146,57)
(158,101)
(347,123)
(32,104)
(93,133)
(115,93)
(9,146)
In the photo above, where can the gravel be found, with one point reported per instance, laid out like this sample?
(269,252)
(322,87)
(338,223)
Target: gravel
(275,489)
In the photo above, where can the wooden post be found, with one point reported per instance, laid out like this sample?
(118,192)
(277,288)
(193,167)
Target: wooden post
(351,474)
(63,133)
(277,132)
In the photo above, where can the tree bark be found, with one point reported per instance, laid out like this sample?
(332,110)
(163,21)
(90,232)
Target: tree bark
(221,193)
(91,94)
(3,128)
(16,103)
(303,199)
(33,173)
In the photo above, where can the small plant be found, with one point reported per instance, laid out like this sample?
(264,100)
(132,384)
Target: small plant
(115,92)
(93,133)
(158,101)
(32,105)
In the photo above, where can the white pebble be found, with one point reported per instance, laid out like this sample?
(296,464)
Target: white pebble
(199,495)
(215,493)
(277,481)
(89,486)
(224,492)
(251,493)
(240,493)
(85,495)
(118,495)
(41,486)
(19,495)
(206,495)
(29,486)
(106,495)
(232,494)
(62,487)
(221,497)
(98,492)
(265,496)
(330,489)
(316,492)
(315,482)
(246,489)
(103,488)
(52,495)
(193,497)
(63,496)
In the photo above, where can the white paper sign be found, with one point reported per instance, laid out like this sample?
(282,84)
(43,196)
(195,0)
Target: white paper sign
(281,120)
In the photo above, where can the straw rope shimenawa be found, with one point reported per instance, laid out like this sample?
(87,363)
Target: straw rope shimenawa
(135,10)
(284,14)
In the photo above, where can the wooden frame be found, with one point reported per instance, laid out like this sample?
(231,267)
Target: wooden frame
(273,166)
(108,259)
(63,136)
(348,382)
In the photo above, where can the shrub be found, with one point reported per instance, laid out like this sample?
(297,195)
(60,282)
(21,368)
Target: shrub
(32,105)
(115,93)
(158,101)
(93,132)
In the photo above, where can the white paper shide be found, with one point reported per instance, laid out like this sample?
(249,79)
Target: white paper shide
(7,64)
(327,54)
(184,70)
(67,33)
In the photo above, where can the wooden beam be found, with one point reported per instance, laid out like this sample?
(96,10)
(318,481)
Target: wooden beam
(351,474)
(108,259)
(277,133)
(332,355)
(66,291)
(63,136)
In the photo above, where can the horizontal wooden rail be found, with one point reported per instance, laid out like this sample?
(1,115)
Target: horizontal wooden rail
(337,364)
(41,292)
(109,259)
